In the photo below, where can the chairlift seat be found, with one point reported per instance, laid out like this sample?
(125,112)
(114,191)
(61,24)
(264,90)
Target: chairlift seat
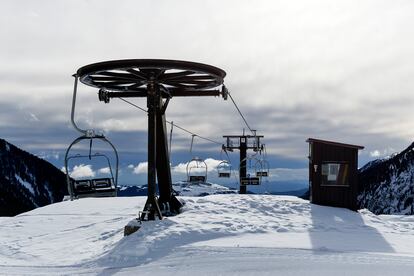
(197,178)
(82,185)
(250,181)
(224,174)
(102,183)
(262,174)
(98,187)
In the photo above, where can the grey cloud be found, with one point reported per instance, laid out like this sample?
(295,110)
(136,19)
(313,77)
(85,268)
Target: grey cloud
(335,70)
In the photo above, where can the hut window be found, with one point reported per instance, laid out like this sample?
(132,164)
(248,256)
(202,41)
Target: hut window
(335,174)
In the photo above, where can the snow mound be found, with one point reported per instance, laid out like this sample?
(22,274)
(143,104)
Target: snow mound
(201,189)
(217,234)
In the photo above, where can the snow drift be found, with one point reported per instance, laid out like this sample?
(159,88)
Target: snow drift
(217,234)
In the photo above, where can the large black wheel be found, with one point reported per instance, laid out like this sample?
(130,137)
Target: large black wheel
(133,75)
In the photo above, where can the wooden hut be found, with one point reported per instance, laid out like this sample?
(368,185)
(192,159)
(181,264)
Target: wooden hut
(333,173)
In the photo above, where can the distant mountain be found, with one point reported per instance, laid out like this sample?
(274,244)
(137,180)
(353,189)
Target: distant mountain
(386,186)
(181,189)
(26,181)
(132,190)
(302,193)
(199,189)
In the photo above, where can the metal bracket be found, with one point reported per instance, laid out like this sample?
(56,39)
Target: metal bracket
(224,92)
(103,95)
(90,133)
(164,106)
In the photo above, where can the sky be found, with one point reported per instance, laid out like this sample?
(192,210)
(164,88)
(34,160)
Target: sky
(334,70)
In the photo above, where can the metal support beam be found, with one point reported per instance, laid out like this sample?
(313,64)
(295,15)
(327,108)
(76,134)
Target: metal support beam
(168,203)
(142,93)
(243,164)
(243,145)
(151,206)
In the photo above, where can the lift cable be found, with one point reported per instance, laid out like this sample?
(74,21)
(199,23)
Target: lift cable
(241,114)
(173,124)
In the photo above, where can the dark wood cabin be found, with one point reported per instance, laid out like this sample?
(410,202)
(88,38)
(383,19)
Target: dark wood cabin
(333,173)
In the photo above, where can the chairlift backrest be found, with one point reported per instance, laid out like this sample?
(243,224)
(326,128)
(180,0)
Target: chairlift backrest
(82,185)
(102,183)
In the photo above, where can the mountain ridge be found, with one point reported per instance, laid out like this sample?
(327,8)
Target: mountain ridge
(27,181)
(386,186)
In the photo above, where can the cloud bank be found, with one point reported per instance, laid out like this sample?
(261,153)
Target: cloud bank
(337,70)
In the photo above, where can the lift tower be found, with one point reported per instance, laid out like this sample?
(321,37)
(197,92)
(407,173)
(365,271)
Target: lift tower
(243,143)
(158,81)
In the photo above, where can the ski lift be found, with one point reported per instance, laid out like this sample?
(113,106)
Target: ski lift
(224,169)
(263,171)
(92,187)
(196,171)
(196,167)
(251,177)
(264,165)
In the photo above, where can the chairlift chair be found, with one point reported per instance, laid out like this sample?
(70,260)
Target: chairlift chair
(196,171)
(264,168)
(251,177)
(92,187)
(224,169)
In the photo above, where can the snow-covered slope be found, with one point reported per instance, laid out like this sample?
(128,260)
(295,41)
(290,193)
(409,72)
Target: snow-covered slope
(181,188)
(386,186)
(218,234)
(201,189)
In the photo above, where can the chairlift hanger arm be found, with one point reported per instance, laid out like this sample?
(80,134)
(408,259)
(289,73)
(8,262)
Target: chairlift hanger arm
(72,114)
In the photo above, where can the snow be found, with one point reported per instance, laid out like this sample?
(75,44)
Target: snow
(184,188)
(227,234)
(26,184)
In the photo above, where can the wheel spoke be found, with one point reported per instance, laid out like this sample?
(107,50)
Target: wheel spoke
(178,85)
(114,74)
(114,82)
(191,84)
(169,76)
(138,74)
(199,77)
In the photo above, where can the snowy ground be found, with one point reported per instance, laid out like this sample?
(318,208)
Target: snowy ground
(201,189)
(218,234)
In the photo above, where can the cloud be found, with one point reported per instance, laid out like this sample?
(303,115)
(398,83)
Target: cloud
(105,170)
(82,171)
(375,153)
(197,166)
(382,153)
(142,167)
(33,118)
(130,166)
(180,168)
(358,79)
(287,174)
(48,155)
